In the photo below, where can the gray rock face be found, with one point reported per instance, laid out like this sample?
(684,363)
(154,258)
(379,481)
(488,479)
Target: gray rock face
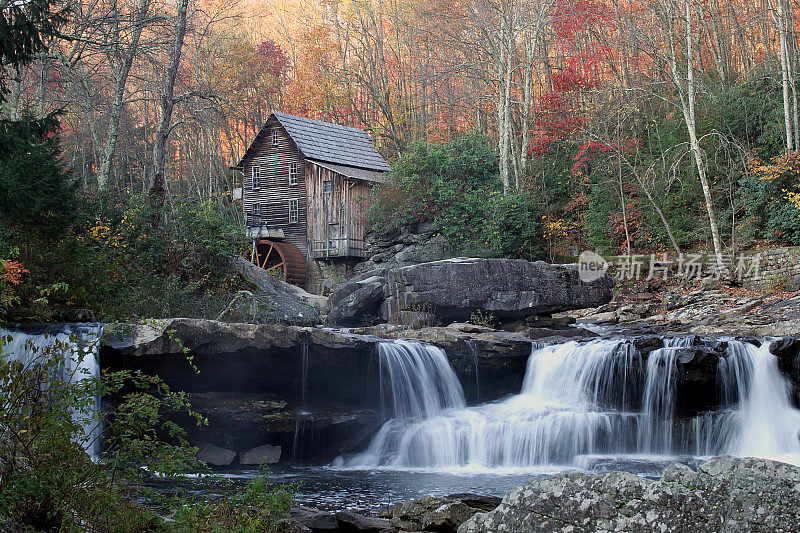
(446,518)
(349,521)
(357,303)
(453,289)
(410,515)
(215,455)
(725,494)
(314,519)
(408,246)
(508,288)
(437,514)
(277,302)
(261,455)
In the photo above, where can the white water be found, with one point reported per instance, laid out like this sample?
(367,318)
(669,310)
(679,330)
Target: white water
(655,432)
(760,420)
(80,362)
(578,405)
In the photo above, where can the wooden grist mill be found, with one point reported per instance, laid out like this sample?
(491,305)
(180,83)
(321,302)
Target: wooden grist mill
(305,194)
(280,259)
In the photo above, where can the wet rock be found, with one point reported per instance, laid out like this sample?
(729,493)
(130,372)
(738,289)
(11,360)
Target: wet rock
(290,525)
(351,522)
(250,381)
(315,519)
(466,327)
(216,455)
(477,501)
(725,494)
(446,518)
(410,515)
(606,317)
(261,455)
(357,303)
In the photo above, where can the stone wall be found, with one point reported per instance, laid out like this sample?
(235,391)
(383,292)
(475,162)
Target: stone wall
(779,269)
(409,246)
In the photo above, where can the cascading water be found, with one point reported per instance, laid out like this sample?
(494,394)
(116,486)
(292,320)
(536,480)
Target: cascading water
(562,411)
(757,418)
(578,401)
(658,404)
(80,362)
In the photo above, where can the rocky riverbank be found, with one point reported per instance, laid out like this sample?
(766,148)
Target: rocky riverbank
(691,309)
(724,494)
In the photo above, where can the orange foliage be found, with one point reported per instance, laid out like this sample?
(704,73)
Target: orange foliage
(12,271)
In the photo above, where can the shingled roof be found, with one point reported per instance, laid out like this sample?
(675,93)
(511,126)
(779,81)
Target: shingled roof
(329,143)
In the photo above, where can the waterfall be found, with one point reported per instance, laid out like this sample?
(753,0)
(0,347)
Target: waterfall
(578,401)
(658,404)
(80,362)
(757,418)
(419,379)
(563,410)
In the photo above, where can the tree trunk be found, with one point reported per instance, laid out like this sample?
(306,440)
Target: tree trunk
(119,97)
(157,188)
(691,126)
(785,69)
(503,104)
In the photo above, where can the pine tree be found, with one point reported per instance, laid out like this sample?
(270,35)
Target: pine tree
(36,190)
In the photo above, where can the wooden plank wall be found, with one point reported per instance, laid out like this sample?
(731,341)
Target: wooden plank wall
(343,214)
(275,191)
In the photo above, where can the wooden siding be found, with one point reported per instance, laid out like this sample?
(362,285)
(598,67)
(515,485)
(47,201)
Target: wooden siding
(275,191)
(338,215)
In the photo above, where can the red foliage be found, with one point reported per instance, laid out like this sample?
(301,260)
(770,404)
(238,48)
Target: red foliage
(274,60)
(559,114)
(637,226)
(573,16)
(12,272)
(588,151)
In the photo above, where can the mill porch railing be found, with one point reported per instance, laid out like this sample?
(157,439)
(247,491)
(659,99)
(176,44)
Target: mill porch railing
(337,248)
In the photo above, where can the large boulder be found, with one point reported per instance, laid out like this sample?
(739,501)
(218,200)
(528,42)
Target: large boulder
(275,302)
(216,455)
(724,494)
(261,455)
(453,289)
(357,303)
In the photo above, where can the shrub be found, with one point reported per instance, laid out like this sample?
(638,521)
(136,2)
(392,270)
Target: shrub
(771,193)
(122,269)
(49,483)
(455,185)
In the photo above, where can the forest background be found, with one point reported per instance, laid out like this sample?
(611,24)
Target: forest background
(519,128)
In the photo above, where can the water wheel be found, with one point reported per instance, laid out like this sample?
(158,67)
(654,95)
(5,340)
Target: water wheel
(280,259)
